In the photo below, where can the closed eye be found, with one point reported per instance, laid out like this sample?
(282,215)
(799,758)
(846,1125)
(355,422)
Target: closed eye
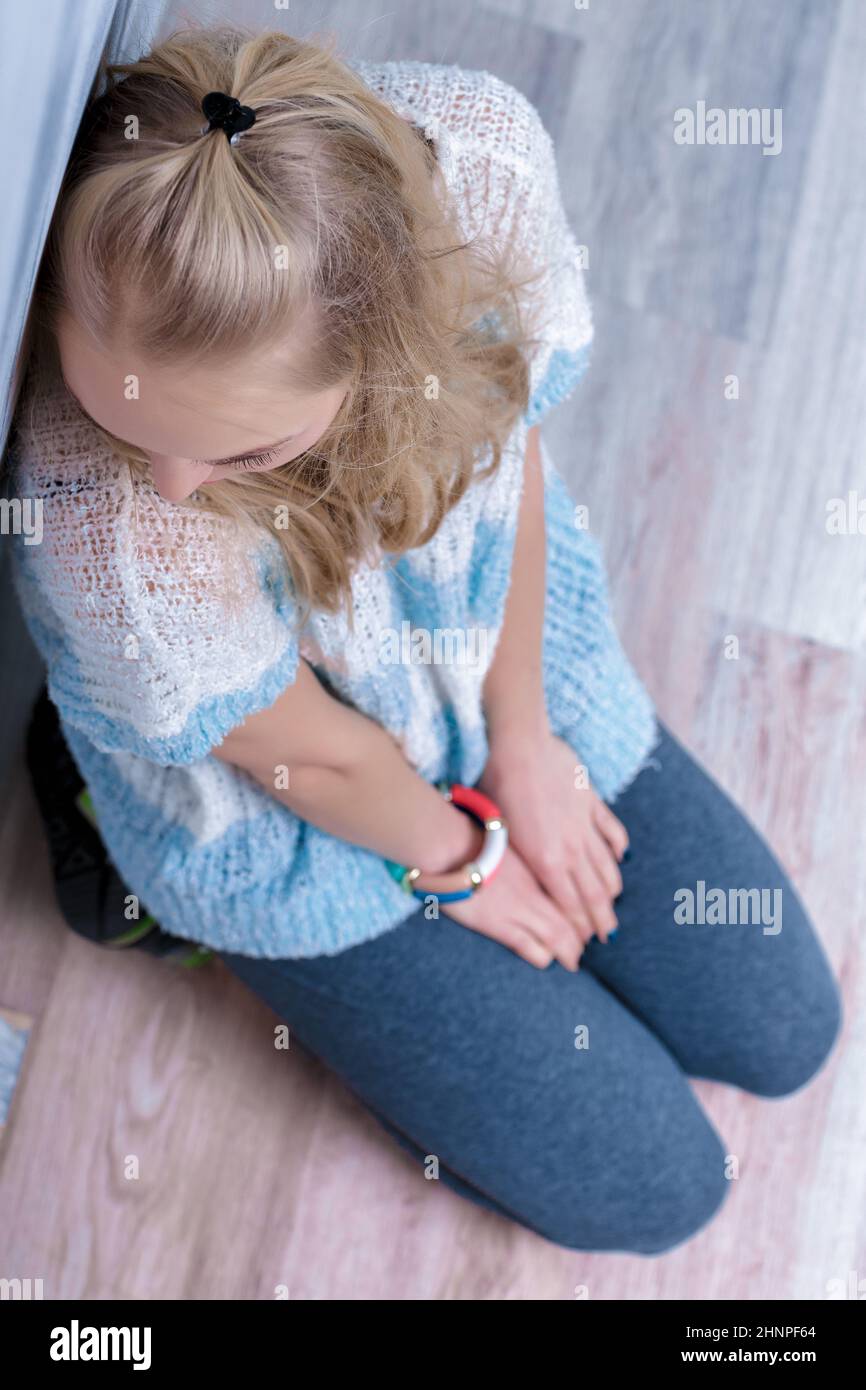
(253,461)
(239,464)
(249,461)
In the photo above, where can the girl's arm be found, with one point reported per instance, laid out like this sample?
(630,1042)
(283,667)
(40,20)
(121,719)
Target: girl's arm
(348,776)
(343,765)
(514,687)
(567,836)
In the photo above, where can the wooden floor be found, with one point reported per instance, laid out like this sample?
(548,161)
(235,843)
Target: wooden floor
(256,1169)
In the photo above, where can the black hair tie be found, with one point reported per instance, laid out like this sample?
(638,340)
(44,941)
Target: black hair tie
(226,113)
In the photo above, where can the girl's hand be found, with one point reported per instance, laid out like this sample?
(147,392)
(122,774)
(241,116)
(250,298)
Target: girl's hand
(570,840)
(514,910)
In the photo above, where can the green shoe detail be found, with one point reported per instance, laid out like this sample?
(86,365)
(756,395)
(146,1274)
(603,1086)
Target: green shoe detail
(200,955)
(84,802)
(129,938)
(191,959)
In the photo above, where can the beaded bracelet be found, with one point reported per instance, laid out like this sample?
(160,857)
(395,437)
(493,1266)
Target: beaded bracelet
(461,883)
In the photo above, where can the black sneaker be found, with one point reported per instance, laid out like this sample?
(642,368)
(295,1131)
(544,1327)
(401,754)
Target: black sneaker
(92,896)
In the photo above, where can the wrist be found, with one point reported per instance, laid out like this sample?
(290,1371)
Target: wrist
(515,736)
(451,840)
(465,879)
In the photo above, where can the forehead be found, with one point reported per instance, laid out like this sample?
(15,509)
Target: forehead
(194,413)
(120,368)
(99,375)
(296,354)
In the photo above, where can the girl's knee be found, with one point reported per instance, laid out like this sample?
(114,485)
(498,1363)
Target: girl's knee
(793,1018)
(794,1045)
(656,1198)
(676,1209)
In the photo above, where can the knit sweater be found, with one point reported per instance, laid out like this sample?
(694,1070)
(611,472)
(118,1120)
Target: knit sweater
(150,671)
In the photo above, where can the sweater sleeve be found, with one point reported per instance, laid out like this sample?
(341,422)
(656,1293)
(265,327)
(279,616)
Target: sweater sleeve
(499,163)
(159,632)
(533,221)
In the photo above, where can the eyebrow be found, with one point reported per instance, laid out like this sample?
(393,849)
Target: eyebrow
(215,463)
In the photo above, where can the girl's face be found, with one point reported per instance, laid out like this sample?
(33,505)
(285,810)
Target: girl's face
(198,427)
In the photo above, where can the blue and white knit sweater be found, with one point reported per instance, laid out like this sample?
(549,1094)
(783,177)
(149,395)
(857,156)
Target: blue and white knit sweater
(150,672)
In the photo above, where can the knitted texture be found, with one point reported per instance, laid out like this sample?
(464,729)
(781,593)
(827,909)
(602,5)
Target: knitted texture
(150,670)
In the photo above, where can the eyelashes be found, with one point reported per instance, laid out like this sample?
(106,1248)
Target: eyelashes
(254,461)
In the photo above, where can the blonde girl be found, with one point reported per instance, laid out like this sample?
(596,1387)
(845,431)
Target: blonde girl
(335,660)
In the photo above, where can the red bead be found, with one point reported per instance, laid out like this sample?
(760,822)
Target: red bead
(472,800)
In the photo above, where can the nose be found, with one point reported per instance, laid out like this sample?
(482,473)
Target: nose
(175,478)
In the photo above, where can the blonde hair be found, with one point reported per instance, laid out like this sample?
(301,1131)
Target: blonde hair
(168,240)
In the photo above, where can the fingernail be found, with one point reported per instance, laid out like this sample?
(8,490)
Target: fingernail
(612,934)
(626,855)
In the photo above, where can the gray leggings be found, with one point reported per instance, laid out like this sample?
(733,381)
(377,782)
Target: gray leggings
(560,1100)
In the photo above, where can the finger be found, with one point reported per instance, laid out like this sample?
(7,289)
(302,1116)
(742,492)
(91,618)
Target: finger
(596,898)
(517,938)
(525,944)
(611,828)
(560,888)
(552,932)
(540,915)
(599,851)
(561,933)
